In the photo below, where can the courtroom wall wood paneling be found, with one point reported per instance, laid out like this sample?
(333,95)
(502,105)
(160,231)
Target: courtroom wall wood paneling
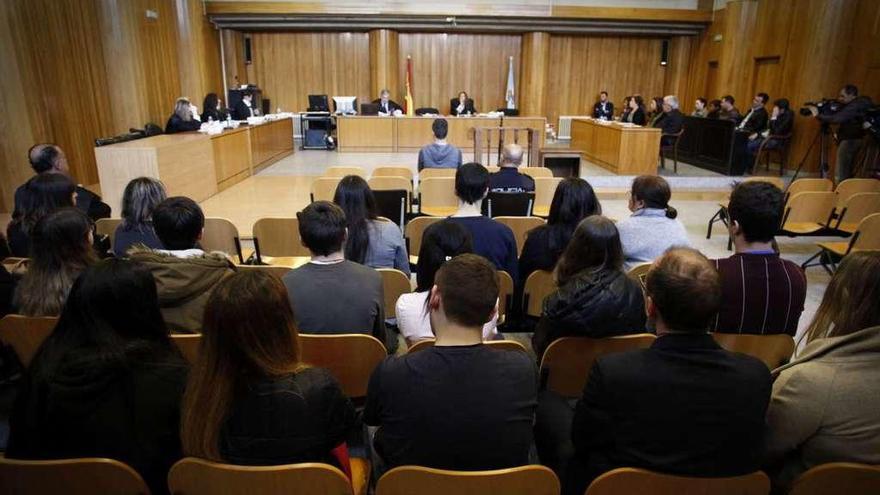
(290,66)
(200,70)
(535,73)
(384,55)
(444,64)
(863,60)
(233,55)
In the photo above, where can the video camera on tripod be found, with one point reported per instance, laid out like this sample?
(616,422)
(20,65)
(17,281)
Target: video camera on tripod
(872,122)
(826,107)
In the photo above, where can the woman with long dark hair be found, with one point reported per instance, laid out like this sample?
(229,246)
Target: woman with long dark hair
(141,195)
(371,241)
(595,297)
(43,194)
(212,108)
(108,381)
(636,113)
(250,400)
(652,228)
(61,248)
(655,111)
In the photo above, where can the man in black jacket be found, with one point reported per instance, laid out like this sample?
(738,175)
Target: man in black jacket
(756,119)
(754,122)
(849,131)
(780,124)
(244,107)
(603,109)
(671,120)
(387,106)
(683,406)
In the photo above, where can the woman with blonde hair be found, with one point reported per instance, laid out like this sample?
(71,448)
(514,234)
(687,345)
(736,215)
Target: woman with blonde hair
(185,117)
(250,400)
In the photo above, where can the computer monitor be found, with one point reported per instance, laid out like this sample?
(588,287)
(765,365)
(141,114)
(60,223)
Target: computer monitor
(369,109)
(318,103)
(345,104)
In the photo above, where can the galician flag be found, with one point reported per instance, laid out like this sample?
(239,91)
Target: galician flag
(408,99)
(511,91)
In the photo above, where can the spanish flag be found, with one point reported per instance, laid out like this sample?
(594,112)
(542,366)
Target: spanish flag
(408,99)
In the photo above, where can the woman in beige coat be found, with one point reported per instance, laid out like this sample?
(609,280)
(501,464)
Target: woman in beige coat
(825,405)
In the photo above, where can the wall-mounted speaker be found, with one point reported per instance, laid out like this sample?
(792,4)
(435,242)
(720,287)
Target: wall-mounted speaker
(247,50)
(664,53)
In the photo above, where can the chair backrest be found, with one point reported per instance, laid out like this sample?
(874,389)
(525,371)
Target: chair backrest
(804,185)
(191,476)
(809,207)
(437,192)
(633,480)
(389,183)
(393,205)
(70,476)
(220,235)
(188,344)
(414,231)
(504,345)
(107,226)
(535,172)
(539,285)
(867,236)
(523,480)
(324,188)
(567,362)
(776,181)
(545,188)
(857,207)
(520,227)
(849,187)
(493,169)
(772,350)
(838,477)
(25,334)
(393,172)
(343,171)
(511,204)
(279,237)
(277,270)
(395,283)
(433,173)
(350,358)
(505,294)
(640,273)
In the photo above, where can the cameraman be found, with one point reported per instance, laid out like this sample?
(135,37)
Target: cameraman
(849,131)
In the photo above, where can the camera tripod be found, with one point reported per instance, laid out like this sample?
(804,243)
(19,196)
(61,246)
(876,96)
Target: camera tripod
(822,138)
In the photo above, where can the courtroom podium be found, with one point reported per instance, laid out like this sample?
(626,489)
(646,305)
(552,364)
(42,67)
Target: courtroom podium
(624,149)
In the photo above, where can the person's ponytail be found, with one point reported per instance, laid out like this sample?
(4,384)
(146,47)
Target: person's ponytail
(671,212)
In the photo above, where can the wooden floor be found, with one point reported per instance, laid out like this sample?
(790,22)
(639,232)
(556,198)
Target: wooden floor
(260,197)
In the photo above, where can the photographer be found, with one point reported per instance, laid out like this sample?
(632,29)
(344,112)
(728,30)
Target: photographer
(849,118)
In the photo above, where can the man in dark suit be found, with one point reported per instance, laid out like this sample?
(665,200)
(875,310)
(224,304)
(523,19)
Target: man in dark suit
(755,121)
(671,120)
(244,108)
(683,406)
(780,124)
(603,109)
(728,111)
(387,106)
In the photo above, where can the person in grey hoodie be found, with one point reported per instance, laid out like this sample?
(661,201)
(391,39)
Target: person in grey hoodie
(439,154)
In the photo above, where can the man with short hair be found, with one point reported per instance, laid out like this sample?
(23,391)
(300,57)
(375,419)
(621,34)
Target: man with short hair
(603,109)
(728,111)
(849,118)
(460,404)
(684,406)
(244,107)
(508,179)
(185,275)
(329,294)
(492,240)
(761,292)
(780,124)
(439,154)
(746,132)
(387,106)
(756,119)
(671,121)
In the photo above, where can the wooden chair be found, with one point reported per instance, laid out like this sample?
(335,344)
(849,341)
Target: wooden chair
(539,285)
(566,364)
(395,283)
(388,183)
(345,171)
(782,149)
(855,209)
(676,138)
(393,197)
(773,350)
(520,227)
(277,270)
(865,238)
(25,334)
(536,172)
(523,480)
(633,480)
(640,273)
(437,196)
(508,204)
(324,188)
(505,294)
(808,185)
(493,169)
(82,476)
(191,476)
(849,187)
(838,477)
(350,358)
(221,235)
(278,237)
(393,171)
(808,213)
(107,226)
(433,173)
(505,345)
(545,188)
(413,233)
(188,344)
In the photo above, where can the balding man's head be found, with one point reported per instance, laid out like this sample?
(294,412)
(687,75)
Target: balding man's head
(512,155)
(47,157)
(684,290)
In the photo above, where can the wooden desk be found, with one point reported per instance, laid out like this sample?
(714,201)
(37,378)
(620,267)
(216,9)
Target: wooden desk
(621,149)
(415,132)
(365,133)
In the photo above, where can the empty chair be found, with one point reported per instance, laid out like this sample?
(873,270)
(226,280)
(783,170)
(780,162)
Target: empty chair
(25,334)
(324,188)
(507,345)
(773,350)
(849,187)
(393,197)
(535,172)
(855,209)
(437,196)
(520,227)
(192,476)
(188,344)
(393,171)
(221,235)
(343,171)
(838,477)
(493,169)
(84,476)
(865,238)
(523,480)
(413,233)
(394,284)
(567,362)
(388,183)
(538,286)
(806,185)
(350,358)
(278,237)
(433,173)
(545,188)
(807,213)
(107,226)
(517,204)
(633,480)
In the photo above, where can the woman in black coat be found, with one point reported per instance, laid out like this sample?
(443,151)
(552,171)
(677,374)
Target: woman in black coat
(182,119)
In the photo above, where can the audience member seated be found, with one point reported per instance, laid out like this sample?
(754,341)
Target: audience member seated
(728,111)
(652,227)
(213,108)
(655,110)
(492,240)
(251,400)
(684,406)
(441,242)
(761,292)
(508,179)
(459,404)
(603,109)
(61,250)
(439,154)
(39,196)
(331,294)
(50,159)
(780,124)
(756,120)
(371,241)
(714,109)
(107,382)
(670,120)
(185,275)
(140,197)
(636,111)
(825,402)
(595,297)
(185,118)
(700,109)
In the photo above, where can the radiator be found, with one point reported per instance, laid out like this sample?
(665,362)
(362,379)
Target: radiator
(563,130)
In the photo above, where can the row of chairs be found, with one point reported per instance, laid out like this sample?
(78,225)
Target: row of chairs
(398,171)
